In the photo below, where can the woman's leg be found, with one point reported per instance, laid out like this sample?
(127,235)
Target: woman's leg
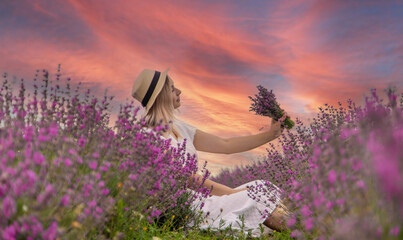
(278,218)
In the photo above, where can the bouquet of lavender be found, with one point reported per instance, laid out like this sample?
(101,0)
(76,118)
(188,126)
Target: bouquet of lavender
(265,104)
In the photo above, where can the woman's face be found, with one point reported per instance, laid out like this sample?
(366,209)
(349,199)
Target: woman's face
(175,94)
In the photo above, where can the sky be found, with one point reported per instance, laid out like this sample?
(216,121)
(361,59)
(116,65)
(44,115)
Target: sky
(308,52)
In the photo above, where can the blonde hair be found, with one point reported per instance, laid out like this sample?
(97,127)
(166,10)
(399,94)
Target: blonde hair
(163,111)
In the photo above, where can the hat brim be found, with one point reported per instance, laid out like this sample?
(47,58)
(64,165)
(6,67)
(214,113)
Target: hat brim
(157,90)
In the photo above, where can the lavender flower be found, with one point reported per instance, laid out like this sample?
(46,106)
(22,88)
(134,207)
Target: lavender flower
(265,104)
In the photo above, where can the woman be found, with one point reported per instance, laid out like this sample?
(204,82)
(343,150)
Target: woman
(156,92)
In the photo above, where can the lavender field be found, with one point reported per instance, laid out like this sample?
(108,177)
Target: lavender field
(66,174)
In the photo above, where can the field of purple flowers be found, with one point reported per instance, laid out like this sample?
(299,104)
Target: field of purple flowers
(342,174)
(66,174)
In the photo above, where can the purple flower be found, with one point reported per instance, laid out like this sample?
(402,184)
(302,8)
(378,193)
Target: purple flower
(105,191)
(93,165)
(44,196)
(9,233)
(38,158)
(133,176)
(305,211)
(53,130)
(360,184)
(43,137)
(319,200)
(394,231)
(82,141)
(92,204)
(291,222)
(331,177)
(329,205)
(65,200)
(11,154)
(99,210)
(51,232)
(9,207)
(67,162)
(31,177)
(155,213)
(308,223)
(265,104)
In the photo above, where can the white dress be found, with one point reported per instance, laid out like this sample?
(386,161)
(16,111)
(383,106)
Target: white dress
(225,211)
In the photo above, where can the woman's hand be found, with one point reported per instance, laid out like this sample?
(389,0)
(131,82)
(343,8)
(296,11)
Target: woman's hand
(276,127)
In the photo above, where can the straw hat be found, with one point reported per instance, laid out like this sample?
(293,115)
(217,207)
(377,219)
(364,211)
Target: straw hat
(147,86)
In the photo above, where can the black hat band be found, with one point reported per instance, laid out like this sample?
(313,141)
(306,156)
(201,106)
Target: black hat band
(151,88)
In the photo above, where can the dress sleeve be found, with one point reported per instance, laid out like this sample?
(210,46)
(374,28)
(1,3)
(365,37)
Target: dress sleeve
(190,129)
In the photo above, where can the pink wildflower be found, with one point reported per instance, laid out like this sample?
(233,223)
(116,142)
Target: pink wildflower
(332,176)
(9,207)
(308,223)
(93,165)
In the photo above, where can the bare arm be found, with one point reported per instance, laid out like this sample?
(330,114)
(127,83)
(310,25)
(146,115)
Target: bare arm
(210,143)
(217,189)
(246,143)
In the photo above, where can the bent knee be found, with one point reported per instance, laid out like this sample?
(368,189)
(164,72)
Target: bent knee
(281,213)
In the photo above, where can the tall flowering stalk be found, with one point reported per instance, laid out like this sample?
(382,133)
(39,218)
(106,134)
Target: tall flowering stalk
(265,104)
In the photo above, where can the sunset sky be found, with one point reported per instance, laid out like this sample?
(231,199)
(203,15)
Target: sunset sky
(308,52)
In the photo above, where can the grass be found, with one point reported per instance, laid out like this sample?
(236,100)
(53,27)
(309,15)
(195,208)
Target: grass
(132,225)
